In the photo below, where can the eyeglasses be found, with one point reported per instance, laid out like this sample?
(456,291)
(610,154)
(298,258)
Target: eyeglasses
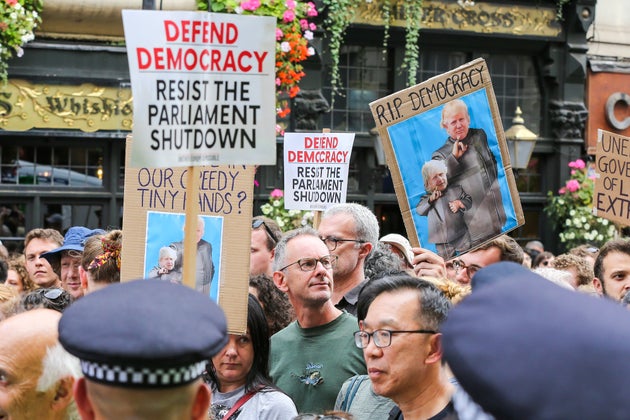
(382,338)
(459,265)
(332,242)
(53,294)
(258,222)
(309,264)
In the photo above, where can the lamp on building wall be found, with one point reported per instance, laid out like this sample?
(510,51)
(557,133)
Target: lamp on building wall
(520,140)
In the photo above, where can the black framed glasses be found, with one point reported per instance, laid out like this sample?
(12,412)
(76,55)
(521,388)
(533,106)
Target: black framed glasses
(332,242)
(258,223)
(383,338)
(309,264)
(460,265)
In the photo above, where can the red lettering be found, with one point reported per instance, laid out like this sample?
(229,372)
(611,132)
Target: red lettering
(144,58)
(171,30)
(186,31)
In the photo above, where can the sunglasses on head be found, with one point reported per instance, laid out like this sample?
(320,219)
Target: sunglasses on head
(258,223)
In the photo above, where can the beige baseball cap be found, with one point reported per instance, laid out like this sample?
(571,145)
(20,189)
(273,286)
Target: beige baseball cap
(401,243)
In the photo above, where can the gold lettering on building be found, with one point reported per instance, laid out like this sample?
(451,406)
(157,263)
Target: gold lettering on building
(86,107)
(519,20)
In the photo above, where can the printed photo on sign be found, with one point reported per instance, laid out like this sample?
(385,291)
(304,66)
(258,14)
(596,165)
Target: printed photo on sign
(453,173)
(165,247)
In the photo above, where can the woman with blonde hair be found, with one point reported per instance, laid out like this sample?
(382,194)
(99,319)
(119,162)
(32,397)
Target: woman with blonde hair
(100,265)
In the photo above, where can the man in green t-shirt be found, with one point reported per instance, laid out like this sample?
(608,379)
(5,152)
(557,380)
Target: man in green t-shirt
(312,357)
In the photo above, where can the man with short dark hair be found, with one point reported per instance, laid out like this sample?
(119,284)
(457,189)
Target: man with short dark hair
(399,320)
(350,231)
(502,248)
(612,269)
(265,235)
(312,357)
(150,365)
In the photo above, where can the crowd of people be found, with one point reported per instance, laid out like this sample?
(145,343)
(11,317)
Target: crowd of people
(342,323)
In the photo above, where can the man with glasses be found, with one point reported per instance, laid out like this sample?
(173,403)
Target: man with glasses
(312,357)
(399,319)
(265,236)
(502,248)
(350,232)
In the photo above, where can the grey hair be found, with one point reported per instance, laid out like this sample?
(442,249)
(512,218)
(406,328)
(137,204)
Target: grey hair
(57,364)
(432,167)
(281,247)
(454,104)
(365,223)
(168,251)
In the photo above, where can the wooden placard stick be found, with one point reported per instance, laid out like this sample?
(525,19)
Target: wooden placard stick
(190,228)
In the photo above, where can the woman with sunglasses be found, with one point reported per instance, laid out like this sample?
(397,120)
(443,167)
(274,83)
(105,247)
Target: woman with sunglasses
(239,376)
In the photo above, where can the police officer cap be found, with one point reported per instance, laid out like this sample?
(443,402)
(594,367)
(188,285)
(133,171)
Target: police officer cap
(143,333)
(524,348)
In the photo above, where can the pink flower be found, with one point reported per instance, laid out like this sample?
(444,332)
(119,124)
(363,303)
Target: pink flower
(311,11)
(577,164)
(250,4)
(11,2)
(278,81)
(572,171)
(288,16)
(572,185)
(304,24)
(562,190)
(312,26)
(279,34)
(277,193)
(290,4)
(256,183)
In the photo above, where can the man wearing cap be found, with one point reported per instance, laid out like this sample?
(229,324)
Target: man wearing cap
(66,259)
(265,235)
(400,246)
(37,242)
(150,365)
(399,320)
(36,373)
(312,357)
(350,231)
(612,269)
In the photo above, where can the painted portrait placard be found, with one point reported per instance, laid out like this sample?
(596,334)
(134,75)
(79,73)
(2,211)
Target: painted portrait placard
(154,218)
(446,151)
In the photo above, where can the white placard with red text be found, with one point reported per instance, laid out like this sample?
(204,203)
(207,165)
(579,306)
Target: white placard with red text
(316,169)
(203,88)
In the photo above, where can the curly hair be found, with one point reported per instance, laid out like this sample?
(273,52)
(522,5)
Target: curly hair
(583,269)
(17,264)
(274,302)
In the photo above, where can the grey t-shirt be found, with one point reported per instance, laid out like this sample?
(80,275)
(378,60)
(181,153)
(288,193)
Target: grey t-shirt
(267,404)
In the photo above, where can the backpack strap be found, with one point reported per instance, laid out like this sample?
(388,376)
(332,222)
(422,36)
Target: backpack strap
(353,387)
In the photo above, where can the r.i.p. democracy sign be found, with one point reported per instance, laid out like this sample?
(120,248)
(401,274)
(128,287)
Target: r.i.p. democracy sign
(203,88)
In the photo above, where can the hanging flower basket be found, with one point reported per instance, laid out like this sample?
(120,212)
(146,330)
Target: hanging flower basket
(18,20)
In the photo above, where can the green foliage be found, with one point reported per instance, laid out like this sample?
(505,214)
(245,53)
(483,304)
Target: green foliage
(18,20)
(571,211)
(286,219)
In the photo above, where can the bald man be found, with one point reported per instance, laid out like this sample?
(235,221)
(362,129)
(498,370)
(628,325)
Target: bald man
(39,374)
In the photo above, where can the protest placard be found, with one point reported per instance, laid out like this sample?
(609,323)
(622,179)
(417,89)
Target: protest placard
(316,169)
(156,201)
(611,196)
(446,151)
(203,88)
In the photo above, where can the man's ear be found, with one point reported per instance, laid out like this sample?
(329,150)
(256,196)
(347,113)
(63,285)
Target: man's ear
(435,351)
(599,287)
(84,405)
(202,402)
(63,394)
(279,280)
(83,277)
(366,248)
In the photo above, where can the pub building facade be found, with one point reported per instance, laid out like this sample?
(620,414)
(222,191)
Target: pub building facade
(67,107)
